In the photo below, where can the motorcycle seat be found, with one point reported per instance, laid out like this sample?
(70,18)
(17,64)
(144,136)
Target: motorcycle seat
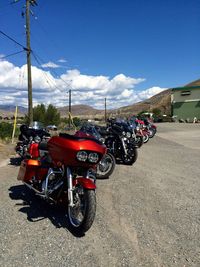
(77,138)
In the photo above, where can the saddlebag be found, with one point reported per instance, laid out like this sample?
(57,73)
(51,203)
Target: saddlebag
(28,169)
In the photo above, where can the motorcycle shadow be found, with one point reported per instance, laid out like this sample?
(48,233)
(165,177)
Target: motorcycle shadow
(38,209)
(15,161)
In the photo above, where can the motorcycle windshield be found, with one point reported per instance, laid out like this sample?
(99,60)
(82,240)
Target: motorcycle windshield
(36,125)
(91,130)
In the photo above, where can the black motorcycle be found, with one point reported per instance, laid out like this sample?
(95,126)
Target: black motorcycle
(28,135)
(120,140)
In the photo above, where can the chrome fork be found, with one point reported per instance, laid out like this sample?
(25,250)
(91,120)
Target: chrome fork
(124,145)
(70,187)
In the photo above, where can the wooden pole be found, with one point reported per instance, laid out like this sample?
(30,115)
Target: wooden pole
(30,102)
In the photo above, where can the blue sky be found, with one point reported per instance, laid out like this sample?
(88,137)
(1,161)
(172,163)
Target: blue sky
(123,50)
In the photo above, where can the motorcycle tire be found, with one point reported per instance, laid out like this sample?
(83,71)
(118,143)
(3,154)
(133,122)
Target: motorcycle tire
(106,166)
(152,132)
(145,138)
(85,203)
(139,141)
(131,160)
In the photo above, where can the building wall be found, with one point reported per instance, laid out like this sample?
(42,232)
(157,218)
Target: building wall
(184,105)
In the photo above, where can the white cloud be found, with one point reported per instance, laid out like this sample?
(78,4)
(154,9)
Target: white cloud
(62,60)
(50,65)
(150,92)
(86,89)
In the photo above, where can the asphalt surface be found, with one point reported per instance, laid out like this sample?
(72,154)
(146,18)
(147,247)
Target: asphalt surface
(147,214)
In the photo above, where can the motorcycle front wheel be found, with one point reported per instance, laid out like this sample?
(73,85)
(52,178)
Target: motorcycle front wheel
(145,138)
(139,141)
(131,158)
(82,214)
(152,132)
(106,166)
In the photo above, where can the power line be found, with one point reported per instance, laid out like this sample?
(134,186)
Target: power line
(13,40)
(13,54)
(44,73)
(14,2)
(52,70)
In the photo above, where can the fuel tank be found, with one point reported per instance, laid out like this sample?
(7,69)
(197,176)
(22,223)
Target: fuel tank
(64,149)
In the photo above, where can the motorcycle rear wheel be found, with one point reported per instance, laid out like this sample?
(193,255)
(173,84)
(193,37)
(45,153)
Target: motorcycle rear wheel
(106,166)
(82,215)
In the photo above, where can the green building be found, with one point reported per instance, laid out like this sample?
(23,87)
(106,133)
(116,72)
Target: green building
(185,102)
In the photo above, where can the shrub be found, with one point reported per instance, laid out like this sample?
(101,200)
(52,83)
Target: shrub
(6,130)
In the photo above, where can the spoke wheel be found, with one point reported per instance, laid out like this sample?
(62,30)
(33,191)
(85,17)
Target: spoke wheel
(106,166)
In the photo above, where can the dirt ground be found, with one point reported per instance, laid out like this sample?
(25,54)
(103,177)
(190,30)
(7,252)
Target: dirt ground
(6,150)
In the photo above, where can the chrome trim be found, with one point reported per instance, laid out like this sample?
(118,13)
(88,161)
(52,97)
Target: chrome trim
(70,187)
(124,146)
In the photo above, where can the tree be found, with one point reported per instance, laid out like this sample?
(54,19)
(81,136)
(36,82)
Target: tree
(39,113)
(52,116)
(156,112)
(47,116)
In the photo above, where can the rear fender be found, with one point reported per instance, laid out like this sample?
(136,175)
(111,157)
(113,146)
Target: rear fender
(85,183)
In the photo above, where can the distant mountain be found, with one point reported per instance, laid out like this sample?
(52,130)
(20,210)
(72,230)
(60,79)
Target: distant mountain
(161,101)
(195,83)
(11,108)
(80,110)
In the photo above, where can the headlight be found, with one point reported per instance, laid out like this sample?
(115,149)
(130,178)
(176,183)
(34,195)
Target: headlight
(82,156)
(137,128)
(37,139)
(124,133)
(93,157)
(128,134)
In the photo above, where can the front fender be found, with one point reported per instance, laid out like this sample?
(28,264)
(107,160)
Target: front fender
(85,183)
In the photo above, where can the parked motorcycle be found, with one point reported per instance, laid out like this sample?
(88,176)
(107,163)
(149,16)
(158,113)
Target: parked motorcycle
(62,171)
(120,140)
(29,135)
(107,164)
(152,129)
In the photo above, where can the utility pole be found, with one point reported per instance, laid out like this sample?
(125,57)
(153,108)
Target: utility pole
(30,101)
(105,111)
(70,108)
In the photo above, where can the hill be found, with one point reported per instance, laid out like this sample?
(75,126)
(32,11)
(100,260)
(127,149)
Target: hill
(9,110)
(195,83)
(80,111)
(161,101)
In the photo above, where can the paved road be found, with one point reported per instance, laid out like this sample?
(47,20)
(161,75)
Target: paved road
(147,214)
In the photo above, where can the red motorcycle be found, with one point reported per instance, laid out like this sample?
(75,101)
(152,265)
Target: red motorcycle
(62,171)
(143,131)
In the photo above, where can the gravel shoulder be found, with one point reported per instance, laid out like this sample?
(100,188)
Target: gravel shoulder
(147,214)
